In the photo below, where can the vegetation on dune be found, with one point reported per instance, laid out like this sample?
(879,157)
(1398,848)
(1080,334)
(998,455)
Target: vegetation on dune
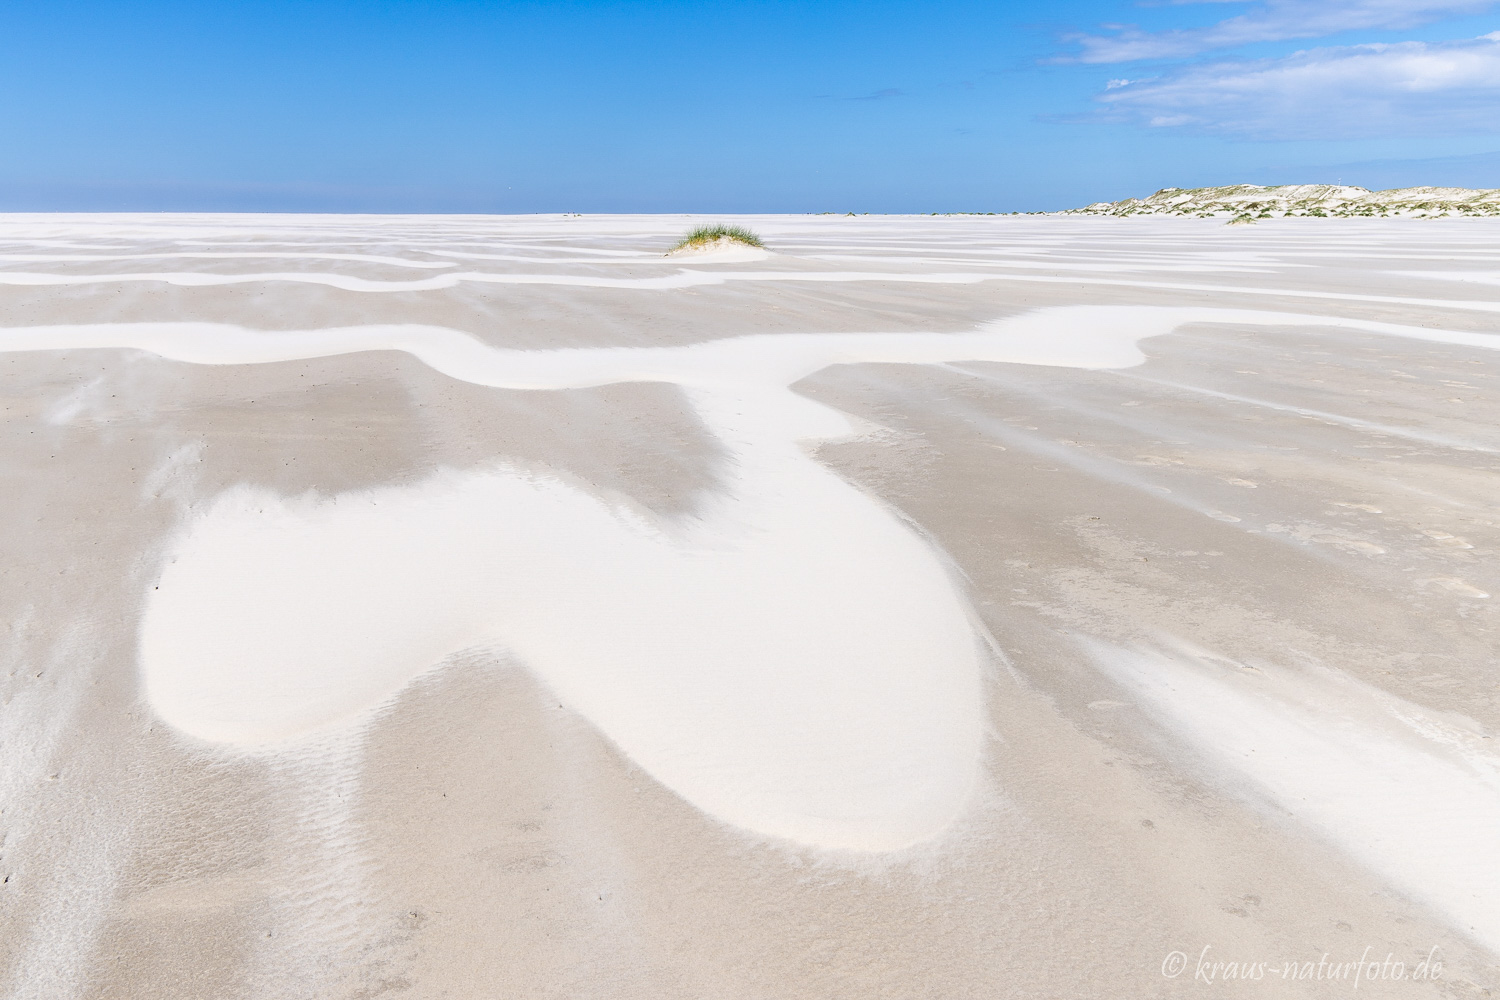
(708,234)
(1303,200)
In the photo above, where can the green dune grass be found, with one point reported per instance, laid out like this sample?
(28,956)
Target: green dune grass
(708,234)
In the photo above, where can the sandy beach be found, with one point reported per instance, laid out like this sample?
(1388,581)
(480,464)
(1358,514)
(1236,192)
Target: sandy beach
(946,607)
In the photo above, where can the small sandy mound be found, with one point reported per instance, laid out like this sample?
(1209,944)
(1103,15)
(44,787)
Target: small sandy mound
(723,248)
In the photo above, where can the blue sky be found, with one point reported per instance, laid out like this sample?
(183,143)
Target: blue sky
(731,106)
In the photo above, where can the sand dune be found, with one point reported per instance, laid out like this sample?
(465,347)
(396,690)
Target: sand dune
(1302,200)
(620,627)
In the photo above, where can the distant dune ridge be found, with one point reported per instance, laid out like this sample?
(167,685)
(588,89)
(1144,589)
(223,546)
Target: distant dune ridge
(1256,201)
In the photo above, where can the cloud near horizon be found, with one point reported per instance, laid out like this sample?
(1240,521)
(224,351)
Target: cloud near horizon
(1276,20)
(1412,88)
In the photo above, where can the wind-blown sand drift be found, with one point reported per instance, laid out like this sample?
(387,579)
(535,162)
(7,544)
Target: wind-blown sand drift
(789,653)
(793,661)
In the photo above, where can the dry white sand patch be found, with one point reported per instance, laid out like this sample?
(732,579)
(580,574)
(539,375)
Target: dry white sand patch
(730,658)
(1411,794)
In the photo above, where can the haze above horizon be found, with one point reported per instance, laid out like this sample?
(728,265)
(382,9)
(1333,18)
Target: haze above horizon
(405,106)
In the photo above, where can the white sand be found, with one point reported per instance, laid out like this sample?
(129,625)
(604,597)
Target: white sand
(1071,620)
(274,620)
(1412,795)
(730,657)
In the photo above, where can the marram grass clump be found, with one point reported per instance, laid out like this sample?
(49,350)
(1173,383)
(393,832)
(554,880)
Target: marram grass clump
(704,235)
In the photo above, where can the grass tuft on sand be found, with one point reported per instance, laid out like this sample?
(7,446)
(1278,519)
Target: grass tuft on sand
(704,235)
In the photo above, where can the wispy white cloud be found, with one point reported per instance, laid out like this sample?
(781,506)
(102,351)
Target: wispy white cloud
(1275,20)
(1412,88)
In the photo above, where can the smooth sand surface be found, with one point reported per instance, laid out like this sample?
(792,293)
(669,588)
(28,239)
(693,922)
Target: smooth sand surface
(928,607)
